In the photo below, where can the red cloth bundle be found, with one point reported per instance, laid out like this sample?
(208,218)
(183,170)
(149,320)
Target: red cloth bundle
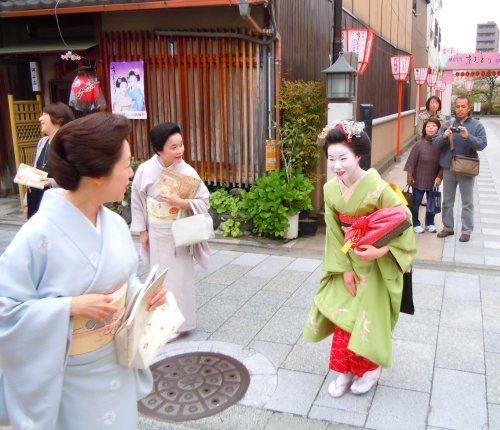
(376,229)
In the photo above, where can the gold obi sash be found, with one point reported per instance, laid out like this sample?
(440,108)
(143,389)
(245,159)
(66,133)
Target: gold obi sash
(89,335)
(160,211)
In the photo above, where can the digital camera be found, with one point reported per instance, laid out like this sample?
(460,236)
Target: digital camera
(455,129)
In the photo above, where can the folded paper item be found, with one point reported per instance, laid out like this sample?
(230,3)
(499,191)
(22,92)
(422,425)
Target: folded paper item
(376,229)
(143,333)
(30,176)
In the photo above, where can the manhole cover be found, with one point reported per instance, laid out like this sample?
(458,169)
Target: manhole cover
(194,385)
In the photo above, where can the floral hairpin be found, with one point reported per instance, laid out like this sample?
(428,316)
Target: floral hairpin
(349,128)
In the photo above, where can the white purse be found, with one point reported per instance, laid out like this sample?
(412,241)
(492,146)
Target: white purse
(192,229)
(142,335)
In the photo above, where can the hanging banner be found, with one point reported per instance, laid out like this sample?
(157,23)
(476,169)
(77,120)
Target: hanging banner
(35,76)
(360,41)
(127,89)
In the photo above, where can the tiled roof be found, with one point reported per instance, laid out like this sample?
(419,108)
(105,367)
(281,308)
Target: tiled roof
(16,5)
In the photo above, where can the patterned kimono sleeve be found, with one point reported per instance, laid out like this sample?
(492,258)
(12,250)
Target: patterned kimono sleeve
(402,248)
(335,260)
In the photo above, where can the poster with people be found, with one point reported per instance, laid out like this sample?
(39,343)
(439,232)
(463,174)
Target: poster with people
(127,89)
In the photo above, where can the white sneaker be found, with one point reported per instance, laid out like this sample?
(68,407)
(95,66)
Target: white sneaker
(431,228)
(366,382)
(340,385)
(419,229)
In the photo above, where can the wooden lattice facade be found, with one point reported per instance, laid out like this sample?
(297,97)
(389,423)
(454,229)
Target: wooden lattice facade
(213,87)
(24,115)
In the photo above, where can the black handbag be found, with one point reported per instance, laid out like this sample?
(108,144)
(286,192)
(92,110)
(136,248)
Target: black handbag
(434,201)
(408,193)
(407,306)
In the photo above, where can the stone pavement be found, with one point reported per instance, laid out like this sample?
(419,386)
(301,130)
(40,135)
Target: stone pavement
(254,299)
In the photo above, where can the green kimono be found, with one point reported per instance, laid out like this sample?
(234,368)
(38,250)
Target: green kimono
(371,316)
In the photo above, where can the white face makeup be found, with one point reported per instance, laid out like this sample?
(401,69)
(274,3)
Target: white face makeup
(343,162)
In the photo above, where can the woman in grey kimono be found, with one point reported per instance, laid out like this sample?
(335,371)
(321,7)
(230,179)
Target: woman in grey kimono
(71,262)
(153,212)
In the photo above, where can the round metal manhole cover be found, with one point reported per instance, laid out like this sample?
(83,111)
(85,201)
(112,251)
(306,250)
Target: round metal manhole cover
(194,385)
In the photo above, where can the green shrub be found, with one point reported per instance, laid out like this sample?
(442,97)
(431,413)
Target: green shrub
(273,197)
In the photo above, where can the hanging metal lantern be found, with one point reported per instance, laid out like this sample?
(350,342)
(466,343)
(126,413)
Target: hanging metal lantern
(86,94)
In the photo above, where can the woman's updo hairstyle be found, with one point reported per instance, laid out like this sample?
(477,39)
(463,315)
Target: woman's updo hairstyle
(88,146)
(160,133)
(350,134)
(59,113)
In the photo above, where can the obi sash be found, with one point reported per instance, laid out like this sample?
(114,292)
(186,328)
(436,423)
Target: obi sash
(89,335)
(160,211)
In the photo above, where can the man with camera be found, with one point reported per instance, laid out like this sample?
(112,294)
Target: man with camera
(461,136)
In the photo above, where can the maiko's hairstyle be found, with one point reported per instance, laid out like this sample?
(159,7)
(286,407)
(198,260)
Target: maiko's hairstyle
(427,103)
(119,81)
(160,133)
(360,146)
(59,113)
(137,76)
(434,121)
(88,146)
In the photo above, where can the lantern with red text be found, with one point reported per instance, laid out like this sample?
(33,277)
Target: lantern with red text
(360,41)
(86,94)
(400,69)
(469,84)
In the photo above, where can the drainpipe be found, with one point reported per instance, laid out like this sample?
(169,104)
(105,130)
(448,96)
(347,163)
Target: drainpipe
(337,30)
(245,11)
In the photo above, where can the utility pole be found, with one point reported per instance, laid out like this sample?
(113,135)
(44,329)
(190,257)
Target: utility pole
(337,29)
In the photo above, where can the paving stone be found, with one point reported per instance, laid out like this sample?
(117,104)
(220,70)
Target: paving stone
(412,366)
(488,203)
(427,295)
(461,314)
(457,400)
(292,422)
(494,416)
(249,259)
(238,330)
(393,408)
(489,211)
(270,267)
(462,286)
(489,283)
(242,289)
(309,357)
(316,276)
(209,290)
(303,297)
(492,342)
(491,244)
(428,277)
(464,256)
(295,393)
(338,416)
(491,231)
(212,315)
(304,265)
(415,332)
(490,220)
(275,352)
(258,311)
(269,298)
(460,350)
(284,327)
(422,316)
(491,323)
(260,390)
(492,261)
(288,281)
(493,377)
(227,275)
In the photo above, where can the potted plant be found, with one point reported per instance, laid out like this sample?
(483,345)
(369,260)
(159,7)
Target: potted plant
(303,112)
(275,200)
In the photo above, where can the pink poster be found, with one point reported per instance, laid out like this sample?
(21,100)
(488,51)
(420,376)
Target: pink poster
(127,89)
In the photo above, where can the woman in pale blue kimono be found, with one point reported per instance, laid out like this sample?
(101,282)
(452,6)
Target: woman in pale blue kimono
(67,263)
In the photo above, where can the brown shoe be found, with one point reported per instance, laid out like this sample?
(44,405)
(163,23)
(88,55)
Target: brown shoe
(445,233)
(464,237)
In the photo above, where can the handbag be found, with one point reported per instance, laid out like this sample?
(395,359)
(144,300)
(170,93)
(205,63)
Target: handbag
(434,201)
(408,195)
(376,229)
(192,229)
(407,306)
(462,164)
(143,333)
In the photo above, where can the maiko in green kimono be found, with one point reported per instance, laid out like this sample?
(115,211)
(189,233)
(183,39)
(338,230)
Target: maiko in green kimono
(360,293)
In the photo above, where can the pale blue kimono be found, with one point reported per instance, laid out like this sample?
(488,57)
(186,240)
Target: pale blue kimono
(58,254)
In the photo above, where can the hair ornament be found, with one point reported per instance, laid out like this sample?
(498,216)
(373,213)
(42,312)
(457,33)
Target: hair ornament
(349,128)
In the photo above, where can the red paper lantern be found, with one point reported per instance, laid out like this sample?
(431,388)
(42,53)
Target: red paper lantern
(86,94)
